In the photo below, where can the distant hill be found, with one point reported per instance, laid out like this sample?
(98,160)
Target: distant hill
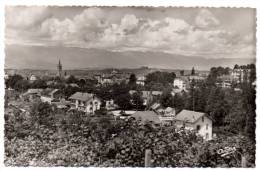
(39,57)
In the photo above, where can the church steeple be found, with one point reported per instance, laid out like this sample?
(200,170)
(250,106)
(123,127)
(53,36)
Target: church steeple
(59,67)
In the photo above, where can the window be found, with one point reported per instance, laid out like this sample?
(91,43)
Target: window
(198,127)
(202,118)
(91,108)
(96,103)
(91,103)
(207,136)
(207,126)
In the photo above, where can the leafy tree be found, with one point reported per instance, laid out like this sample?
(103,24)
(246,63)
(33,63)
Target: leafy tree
(21,85)
(163,78)
(123,101)
(71,79)
(179,102)
(137,100)
(182,72)
(167,99)
(11,81)
(132,79)
(192,71)
(41,113)
(39,84)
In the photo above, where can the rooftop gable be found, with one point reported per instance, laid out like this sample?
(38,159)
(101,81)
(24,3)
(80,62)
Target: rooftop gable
(189,116)
(81,96)
(147,116)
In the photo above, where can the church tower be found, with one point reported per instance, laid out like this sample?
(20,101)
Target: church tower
(59,67)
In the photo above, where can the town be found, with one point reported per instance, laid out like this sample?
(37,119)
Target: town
(109,105)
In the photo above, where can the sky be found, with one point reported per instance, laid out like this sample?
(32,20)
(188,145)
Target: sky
(210,33)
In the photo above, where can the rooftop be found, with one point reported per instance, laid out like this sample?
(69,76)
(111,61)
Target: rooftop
(81,96)
(189,116)
(145,116)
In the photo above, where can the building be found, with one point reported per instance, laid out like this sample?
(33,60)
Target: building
(59,68)
(179,83)
(31,95)
(86,102)
(110,105)
(33,78)
(140,80)
(196,78)
(197,121)
(146,116)
(51,95)
(240,74)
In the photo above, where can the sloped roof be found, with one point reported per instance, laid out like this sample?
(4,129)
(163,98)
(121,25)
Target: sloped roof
(156,93)
(34,91)
(169,109)
(81,96)
(155,106)
(73,85)
(147,116)
(189,116)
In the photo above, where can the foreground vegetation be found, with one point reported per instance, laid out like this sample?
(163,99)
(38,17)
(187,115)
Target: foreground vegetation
(79,140)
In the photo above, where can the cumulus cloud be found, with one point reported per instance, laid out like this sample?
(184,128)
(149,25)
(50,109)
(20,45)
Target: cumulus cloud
(92,29)
(205,19)
(24,17)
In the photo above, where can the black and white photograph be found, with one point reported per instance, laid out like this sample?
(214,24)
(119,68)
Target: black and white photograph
(129,86)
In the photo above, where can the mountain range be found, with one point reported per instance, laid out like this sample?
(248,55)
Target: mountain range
(47,57)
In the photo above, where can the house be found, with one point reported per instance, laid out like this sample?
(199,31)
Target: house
(196,78)
(122,114)
(86,102)
(140,80)
(110,105)
(241,74)
(146,116)
(51,95)
(31,94)
(33,78)
(73,85)
(179,83)
(197,121)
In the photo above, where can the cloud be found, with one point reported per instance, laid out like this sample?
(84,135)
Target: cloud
(25,17)
(92,29)
(205,19)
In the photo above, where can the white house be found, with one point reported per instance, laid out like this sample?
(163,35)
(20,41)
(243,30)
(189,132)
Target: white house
(32,78)
(86,102)
(197,121)
(180,83)
(140,80)
(110,105)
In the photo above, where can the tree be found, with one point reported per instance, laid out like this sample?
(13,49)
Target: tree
(21,85)
(132,79)
(179,102)
(71,79)
(192,71)
(41,112)
(39,84)
(167,99)
(182,72)
(11,81)
(123,101)
(137,100)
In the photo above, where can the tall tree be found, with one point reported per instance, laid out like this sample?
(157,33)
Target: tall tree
(167,99)
(192,71)
(137,100)
(132,79)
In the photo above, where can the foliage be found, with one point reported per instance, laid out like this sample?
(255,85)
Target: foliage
(132,79)
(161,78)
(137,100)
(12,80)
(167,99)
